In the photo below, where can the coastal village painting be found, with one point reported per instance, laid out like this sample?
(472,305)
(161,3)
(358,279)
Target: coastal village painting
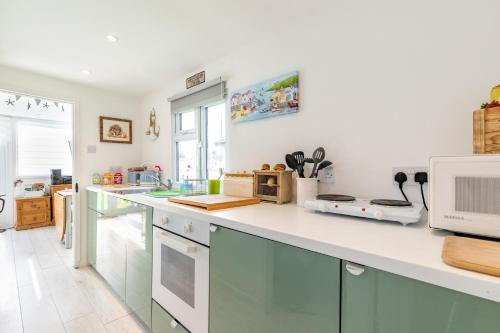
(278,96)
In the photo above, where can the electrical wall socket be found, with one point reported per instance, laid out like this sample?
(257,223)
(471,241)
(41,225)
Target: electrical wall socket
(326,175)
(410,173)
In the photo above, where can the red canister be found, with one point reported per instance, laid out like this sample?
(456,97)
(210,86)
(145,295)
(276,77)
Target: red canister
(117,178)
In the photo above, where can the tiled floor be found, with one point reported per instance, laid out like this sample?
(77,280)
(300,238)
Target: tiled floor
(41,292)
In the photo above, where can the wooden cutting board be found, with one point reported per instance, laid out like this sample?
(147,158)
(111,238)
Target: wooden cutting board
(215,201)
(472,254)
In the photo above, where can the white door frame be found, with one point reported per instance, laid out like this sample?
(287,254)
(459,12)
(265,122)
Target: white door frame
(76,237)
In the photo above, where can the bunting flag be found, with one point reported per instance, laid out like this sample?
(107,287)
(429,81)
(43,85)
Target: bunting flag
(31,103)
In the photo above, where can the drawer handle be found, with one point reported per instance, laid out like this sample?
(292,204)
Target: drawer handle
(173,324)
(354,269)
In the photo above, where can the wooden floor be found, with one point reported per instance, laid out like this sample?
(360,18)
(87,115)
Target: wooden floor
(41,292)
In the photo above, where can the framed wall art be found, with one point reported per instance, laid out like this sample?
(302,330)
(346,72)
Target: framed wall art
(115,130)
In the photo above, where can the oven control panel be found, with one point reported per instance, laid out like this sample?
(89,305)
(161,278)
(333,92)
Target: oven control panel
(196,230)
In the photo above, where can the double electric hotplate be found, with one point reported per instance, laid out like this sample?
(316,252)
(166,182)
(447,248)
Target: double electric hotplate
(400,211)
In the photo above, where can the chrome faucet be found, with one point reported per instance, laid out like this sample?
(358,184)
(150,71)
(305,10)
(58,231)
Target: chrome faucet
(159,183)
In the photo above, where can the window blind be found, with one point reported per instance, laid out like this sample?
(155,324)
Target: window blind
(205,93)
(42,146)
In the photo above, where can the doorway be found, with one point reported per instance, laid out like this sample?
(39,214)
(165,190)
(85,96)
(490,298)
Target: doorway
(37,138)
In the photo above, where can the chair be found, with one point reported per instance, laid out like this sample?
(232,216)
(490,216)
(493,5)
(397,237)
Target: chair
(2,202)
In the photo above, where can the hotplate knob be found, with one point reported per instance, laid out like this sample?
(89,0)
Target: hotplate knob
(323,207)
(378,214)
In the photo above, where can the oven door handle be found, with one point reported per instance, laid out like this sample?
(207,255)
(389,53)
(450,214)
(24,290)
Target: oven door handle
(176,244)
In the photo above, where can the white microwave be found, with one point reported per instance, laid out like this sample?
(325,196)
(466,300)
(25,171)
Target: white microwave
(465,194)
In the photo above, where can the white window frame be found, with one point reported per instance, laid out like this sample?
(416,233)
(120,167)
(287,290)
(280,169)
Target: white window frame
(186,135)
(199,133)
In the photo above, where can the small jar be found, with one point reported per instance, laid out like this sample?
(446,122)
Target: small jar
(96,179)
(117,178)
(107,178)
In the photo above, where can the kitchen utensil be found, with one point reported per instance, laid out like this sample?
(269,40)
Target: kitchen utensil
(299,158)
(322,165)
(472,254)
(221,172)
(308,160)
(291,162)
(318,156)
(215,201)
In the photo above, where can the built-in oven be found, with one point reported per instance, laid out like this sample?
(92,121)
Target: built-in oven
(181,269)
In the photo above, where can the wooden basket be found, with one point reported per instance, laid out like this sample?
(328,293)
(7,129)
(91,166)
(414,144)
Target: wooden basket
(487,131)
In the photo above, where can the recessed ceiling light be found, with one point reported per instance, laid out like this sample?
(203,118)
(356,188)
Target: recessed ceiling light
(111,38)
(86,71)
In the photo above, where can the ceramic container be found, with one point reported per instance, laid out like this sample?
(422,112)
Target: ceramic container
(307,189)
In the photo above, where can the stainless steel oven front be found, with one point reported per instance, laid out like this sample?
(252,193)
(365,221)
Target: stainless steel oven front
(181,269)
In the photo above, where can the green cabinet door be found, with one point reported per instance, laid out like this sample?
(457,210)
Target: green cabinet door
(139,261)
(163,322)
(91,236)
(374,301)
(92,200)
(119,247)
(262,286)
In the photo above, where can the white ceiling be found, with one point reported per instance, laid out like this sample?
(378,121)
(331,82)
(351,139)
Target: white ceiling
(158,39)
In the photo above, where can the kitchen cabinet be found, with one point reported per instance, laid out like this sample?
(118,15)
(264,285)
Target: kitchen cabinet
(91,236)
(259,285)
(120,248)
(375,301)
(53,189)
(163,322)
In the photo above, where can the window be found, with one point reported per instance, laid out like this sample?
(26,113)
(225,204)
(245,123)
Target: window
(199,142)
(42,146)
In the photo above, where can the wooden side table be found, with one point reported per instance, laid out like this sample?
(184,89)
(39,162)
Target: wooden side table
(32,212)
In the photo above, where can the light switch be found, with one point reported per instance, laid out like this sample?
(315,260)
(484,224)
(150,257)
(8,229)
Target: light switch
(91,149)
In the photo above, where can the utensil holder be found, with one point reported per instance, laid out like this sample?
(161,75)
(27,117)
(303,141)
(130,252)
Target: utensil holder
(307,189)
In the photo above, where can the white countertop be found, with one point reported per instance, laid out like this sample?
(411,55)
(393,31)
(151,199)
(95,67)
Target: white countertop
(413,251)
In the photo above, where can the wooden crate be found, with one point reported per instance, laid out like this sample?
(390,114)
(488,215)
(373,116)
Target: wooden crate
(32,212)
(281,189)
(487,131)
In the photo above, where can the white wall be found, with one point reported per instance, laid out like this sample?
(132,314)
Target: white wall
(90,103)
(383,83)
